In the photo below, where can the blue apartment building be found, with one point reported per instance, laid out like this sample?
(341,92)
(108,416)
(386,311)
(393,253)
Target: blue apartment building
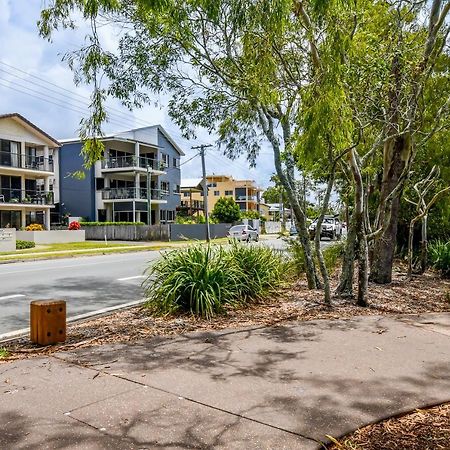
(139,167)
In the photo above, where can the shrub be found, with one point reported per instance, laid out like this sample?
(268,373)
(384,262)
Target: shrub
(21,245)
(196,279)
(34,227)
(74,225)
(203,279)
(226,210)
(101,224)
(331,254)
(439,252)
(262,270)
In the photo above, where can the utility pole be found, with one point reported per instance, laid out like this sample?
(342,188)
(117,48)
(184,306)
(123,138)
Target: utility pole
(205,187)
(149,197)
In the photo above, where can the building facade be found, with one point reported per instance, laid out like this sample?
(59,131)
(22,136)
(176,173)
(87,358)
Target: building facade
(140,172)
(245,192)
(28,157)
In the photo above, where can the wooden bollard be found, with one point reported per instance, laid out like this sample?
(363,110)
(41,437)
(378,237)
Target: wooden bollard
(47,321)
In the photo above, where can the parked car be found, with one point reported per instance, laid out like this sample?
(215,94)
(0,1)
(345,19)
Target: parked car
(331,228)
(243,233)
(293,231)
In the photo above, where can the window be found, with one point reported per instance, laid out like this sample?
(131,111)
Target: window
(185,194)
(99,184)
(228,193)
(176,162)
(212,185)
(165,186)
(216,193)
(176,189)
(165,159)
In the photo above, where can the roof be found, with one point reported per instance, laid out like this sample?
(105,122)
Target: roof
(119,136)
(190,183)
(27,123)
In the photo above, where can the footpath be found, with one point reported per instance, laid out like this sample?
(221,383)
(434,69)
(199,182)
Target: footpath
(283,387)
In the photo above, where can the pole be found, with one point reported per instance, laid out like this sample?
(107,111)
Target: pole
(149,198)
(205,188)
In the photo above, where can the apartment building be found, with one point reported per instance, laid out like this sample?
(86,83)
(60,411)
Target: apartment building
(140,172)
(27,173)
(245,192)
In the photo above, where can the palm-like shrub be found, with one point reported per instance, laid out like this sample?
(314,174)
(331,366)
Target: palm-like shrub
(203,280)
(439,252)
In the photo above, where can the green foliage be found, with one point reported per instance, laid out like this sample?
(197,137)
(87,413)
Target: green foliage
(203,280)
(331,254)
(3,353)
(101,224)
(226,210)
(22,245)
(439,252)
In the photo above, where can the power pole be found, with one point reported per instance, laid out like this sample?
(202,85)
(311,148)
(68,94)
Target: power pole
(205,187)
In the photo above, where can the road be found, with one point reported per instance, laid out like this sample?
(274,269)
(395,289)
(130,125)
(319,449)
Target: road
(86,283)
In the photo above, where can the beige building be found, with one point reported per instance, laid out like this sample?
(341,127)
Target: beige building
(27,175)
(245,193)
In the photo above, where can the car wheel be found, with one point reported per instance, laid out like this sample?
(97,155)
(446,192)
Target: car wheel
(256,238)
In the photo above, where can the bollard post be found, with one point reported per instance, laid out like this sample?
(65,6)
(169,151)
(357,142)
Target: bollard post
(47,321)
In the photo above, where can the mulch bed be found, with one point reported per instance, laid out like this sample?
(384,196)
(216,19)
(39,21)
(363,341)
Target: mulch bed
(423,429)
(425,293)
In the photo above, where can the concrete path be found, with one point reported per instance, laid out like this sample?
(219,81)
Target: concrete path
(284,387)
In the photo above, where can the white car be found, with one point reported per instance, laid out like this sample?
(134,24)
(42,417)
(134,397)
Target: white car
(331,228)
(243,233)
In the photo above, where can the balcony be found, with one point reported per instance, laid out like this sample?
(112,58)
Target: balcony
(195,204)
(131,162)
(133,193)
(27,197)
(246,198)
(19,161)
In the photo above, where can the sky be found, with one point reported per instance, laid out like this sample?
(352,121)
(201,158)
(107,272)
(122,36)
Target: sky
(36,82)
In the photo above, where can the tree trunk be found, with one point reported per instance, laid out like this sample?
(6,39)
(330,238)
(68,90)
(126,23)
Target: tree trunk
(424,246)
(363,268)
(345,287)
(322,265)
(397,152)
(411,247)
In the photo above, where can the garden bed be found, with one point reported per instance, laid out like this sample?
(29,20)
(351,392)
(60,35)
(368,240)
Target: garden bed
(426,293)
(423,429)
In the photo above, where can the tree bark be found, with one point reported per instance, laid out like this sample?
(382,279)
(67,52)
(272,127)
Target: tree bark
(397,152)
(322,265)
(424,245)
(345,286)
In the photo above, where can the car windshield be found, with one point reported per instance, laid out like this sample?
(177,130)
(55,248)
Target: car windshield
(237,228)
(328,220)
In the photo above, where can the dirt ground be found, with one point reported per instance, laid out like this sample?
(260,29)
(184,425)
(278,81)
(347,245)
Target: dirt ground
(425,293)
(423,429)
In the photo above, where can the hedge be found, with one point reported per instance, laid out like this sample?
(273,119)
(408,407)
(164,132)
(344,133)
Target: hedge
(21,245)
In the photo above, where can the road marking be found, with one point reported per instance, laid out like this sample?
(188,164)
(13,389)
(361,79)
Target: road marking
(131,278)
(6,297)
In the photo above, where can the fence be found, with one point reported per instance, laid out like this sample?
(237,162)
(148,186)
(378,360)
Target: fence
(198,231)
(128,232)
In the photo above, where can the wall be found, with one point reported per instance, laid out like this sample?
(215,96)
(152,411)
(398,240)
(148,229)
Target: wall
(7,239)
(77,195)
(52,237)
(172,174)
(128,232)
(272,227)
(198,231)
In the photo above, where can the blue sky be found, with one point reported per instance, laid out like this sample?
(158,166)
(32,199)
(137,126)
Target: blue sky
(35,82)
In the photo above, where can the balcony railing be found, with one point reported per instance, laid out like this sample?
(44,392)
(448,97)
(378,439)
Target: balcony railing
(245,198)
(26,197)
(133,194)
(20,161)
(195,204)
(124,162)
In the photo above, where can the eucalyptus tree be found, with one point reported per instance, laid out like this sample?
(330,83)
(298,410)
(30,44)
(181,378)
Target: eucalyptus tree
(231,67)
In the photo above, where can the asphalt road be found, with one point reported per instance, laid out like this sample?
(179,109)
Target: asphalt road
(86,283)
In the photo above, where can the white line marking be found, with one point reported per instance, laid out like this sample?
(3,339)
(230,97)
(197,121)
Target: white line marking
(12,296)
(131,278)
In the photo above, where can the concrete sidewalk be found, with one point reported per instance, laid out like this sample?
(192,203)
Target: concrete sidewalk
(256,388)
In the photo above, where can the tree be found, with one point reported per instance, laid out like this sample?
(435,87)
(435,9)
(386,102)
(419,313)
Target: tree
(230,66)
(226,210)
